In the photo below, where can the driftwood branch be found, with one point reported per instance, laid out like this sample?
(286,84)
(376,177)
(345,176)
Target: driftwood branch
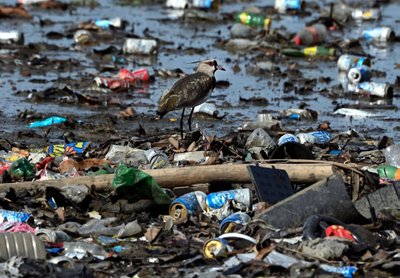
(174,177)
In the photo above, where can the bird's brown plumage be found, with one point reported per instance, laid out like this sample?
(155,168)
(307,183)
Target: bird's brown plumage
(185,93)
(189,91)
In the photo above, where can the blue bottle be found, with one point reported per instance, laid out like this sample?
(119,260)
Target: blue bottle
(48,122)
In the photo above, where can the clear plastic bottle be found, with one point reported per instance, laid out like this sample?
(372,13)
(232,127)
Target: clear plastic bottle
(311,35)
(140,46)
(80,248)
(11,37)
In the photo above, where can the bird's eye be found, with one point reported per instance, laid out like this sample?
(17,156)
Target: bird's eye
(211,64)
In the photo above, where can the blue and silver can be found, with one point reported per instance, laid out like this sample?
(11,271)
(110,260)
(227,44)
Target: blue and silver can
(283,5)
(287,138)
(204,4)
(188,204)
(346,62)
(315,137)
(382,90)
(9,215)
(217,200)
(359,74)
(230,222)
(378,34)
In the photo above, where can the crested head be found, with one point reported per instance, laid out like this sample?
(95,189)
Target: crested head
(209,67)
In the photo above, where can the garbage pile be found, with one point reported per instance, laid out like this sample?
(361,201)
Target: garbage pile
(94,197)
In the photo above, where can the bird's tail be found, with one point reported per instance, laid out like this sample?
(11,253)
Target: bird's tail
(160,114)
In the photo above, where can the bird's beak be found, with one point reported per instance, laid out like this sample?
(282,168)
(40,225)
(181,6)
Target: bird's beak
(220,68)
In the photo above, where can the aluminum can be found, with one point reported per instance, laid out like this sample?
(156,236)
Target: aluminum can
(9,215)
(283,5)
(370,14)
(83,37)
(382,90)
(11,37)
(217,200)
(346,62)
(177,4)
(287,138)
(140,46)
(25,245)
(238,218)
(188,204)
(52,236)
(359,74)
(205,4)
(157,158)
(378,34)
(216,247)
(315,137)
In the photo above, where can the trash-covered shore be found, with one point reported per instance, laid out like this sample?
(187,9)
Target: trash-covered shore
(292,172)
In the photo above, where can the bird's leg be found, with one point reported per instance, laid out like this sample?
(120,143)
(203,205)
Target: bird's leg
(181,122)
(190,119)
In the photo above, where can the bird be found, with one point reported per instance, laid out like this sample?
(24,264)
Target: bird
(189,91)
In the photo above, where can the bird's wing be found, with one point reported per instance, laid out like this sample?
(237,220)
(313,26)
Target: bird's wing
(186,92)
(193,89)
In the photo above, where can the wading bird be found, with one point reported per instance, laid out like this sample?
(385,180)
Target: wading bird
(189,91)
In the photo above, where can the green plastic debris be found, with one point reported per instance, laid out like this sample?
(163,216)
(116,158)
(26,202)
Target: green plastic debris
(136,185)
(388,172)
(22,169)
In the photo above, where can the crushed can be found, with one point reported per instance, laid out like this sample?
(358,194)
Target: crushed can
(157,158)
(315,137)
(215,248)
(217,200)
(369,14)
(140,46)
(283,5)
(188,204)
(359,74)
(382,90)
(15,216)
(346,62)
(83,37)
(11,37)
(287,138)
(229,223)
(134,76)
(379,34)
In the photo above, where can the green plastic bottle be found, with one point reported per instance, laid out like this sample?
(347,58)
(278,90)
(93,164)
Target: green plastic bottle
(254,20)
(315,51)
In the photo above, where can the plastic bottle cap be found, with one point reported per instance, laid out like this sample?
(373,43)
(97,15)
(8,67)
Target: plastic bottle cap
(297,40)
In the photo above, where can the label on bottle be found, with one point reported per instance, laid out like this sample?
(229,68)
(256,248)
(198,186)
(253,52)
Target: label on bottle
(310,51)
